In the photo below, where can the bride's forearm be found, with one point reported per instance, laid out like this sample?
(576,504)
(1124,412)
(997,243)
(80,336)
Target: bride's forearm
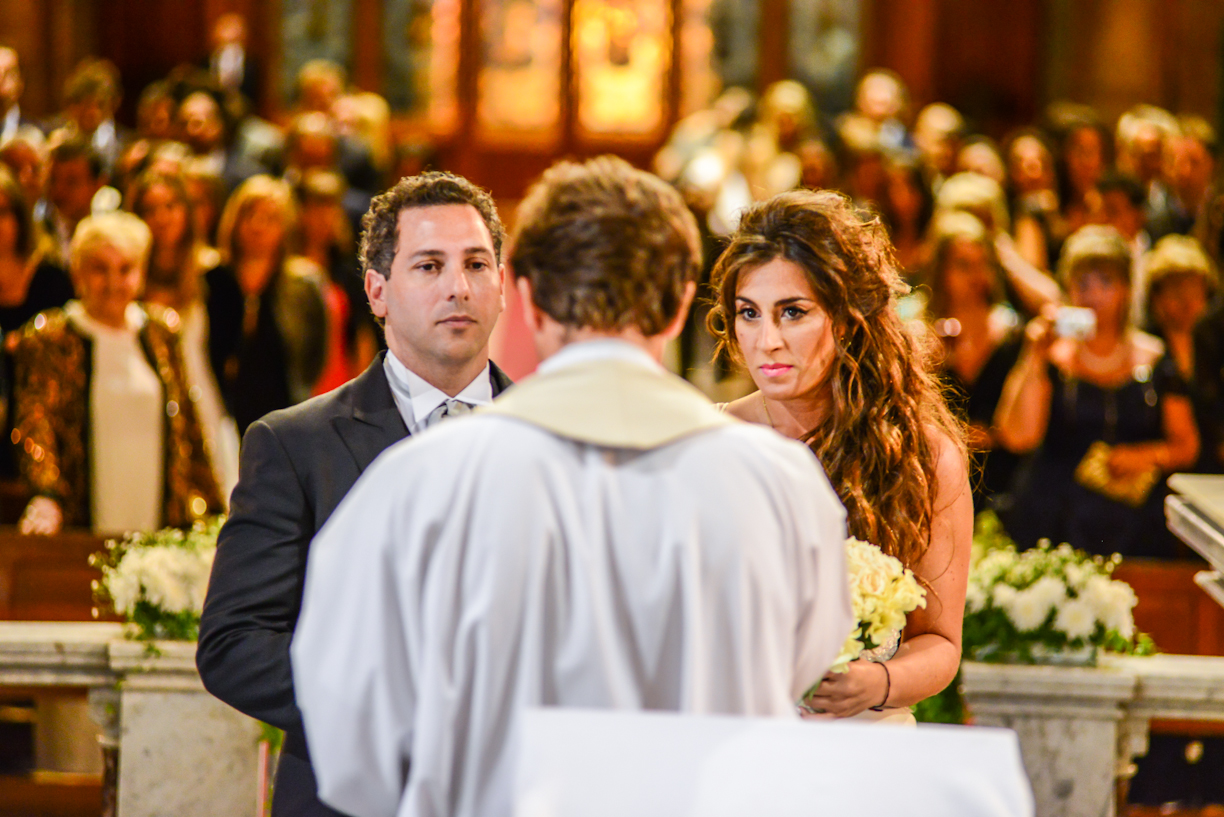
(923,666)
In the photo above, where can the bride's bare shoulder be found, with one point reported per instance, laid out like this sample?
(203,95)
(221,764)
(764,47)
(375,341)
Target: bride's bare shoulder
(749,409)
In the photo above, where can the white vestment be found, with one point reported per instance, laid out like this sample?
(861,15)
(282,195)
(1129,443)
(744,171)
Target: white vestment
(599,537)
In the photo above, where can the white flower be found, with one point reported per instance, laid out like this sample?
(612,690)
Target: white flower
(1076,618)
(1112,602)
(975,597)
(1002,595)
(123,584)
(1049,590)
(1077,575)
(1028,609)
(882,592)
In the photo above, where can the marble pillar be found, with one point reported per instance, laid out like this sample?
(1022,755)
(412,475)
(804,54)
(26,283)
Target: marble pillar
(169,748)
(1073,727)
(181,751)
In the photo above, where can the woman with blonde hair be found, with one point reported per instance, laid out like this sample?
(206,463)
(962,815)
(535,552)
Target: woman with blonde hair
(105,424)
(976,332)
(269,320)
(327,240)
(806,300)
(174,278)
(1101,408)
(1181,281)
(1029,288)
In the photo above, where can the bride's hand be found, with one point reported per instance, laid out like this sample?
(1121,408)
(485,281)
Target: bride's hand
(844,694)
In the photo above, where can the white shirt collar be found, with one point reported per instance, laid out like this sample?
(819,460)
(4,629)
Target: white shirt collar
(577,354)
(12,121)
(415,397)
(104,136)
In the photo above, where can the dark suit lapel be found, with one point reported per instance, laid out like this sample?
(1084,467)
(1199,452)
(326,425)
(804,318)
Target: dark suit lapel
(375,423)
(500,380)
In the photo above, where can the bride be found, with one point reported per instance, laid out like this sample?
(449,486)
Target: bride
(806,294)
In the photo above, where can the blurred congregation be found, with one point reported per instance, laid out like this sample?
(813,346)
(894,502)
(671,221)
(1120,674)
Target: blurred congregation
(177,251)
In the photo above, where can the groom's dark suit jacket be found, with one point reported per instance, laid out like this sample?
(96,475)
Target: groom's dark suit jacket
(296,466)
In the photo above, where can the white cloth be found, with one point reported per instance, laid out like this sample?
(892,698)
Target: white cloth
(583,763)
(127,426)
(416,398)
(220,431)
(491,564)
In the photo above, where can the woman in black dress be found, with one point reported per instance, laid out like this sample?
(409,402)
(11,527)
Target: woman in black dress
(977,335)
(1106,413)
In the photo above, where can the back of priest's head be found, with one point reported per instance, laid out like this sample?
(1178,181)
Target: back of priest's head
(607,247)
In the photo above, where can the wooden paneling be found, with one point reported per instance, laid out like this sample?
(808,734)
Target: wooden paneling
(146,39)
(368,47)
(51,795)
(1179,616)
(47,578)
(900,35)
(987,60)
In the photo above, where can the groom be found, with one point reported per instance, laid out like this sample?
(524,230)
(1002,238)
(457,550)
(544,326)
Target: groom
(431,249)
(601,536)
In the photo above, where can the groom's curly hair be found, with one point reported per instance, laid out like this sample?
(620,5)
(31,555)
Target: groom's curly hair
(878,439)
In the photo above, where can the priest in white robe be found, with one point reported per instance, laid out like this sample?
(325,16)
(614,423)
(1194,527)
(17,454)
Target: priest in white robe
(600,537)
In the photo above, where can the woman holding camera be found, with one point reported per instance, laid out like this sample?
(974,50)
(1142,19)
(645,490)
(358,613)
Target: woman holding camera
(977,334)
(1103,408)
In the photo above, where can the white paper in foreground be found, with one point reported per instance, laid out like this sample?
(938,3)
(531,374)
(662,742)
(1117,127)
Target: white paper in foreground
(584,763)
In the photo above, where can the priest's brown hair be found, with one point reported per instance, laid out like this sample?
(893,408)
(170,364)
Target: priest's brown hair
(876,439)
(606,246)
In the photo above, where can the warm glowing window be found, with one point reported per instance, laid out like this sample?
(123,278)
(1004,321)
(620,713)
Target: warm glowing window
(622,55)
(519,86)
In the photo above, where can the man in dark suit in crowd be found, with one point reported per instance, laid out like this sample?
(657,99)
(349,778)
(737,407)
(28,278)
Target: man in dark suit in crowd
(230,63)
(431,251)
(11,87)
(202,125)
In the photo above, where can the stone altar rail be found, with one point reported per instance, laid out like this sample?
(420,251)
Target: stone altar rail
(180,751)
(1080,728)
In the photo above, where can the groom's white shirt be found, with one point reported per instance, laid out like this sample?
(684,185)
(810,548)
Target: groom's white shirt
(600,538)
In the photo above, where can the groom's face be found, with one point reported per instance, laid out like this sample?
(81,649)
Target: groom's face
(445,289)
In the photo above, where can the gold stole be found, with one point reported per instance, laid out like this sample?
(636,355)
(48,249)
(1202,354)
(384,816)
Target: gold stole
(611,403)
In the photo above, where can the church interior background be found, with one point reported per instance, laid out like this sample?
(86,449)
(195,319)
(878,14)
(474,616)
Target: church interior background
(497,90)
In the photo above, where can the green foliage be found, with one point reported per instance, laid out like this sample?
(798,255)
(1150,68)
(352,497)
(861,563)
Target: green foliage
(947,706)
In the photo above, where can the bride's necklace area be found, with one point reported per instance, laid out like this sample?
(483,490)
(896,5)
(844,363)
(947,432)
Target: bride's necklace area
(804,438)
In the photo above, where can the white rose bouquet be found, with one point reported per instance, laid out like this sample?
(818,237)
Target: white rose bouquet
(1045,604)
(157,581)
(882,593)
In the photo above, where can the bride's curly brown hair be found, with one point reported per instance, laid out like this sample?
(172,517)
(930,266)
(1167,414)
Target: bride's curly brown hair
(877,440)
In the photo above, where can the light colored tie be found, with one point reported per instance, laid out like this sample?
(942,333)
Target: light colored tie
(451,408)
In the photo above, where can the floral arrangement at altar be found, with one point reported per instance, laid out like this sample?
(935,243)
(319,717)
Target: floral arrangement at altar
(1047,605)
(882,593)
(1050,604)
(157,580)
